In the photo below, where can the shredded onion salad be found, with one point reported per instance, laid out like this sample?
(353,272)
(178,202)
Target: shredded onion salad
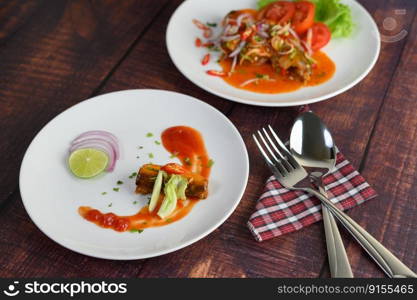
(99,140)
(244,38)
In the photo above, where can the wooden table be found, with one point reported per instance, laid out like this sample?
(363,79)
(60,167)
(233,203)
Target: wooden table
(54,54)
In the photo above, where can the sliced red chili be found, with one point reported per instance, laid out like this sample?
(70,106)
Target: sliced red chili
(199,24)
(246,34)
(208,33)
(198,42)
(206,59)
(207,45)
(216,73)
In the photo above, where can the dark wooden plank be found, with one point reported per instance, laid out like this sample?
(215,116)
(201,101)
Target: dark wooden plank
(391,166)
(27,252)
(14,15)
(351,115)
(149,66)
(56,59)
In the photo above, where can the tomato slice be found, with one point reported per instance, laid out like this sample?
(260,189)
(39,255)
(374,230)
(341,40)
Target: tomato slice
(279,12)
(303,17)
(321,36)
(173,168)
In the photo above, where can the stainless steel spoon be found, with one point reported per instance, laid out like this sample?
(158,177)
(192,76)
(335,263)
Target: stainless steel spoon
(312,145)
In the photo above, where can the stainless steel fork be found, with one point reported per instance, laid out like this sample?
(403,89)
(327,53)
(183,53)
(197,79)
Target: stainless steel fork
(293,176)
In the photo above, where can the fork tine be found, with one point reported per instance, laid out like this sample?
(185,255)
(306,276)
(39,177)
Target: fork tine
(283,159)
(277,162)
(262,150)
(267,146)
(290,158)
(277,172)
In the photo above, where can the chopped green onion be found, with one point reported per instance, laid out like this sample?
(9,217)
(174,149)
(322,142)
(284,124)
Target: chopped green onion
(210,163)
(211,24)
(110,205)
(262,76)
(158,142)
(187,161)
(104,193)
(150,155)
(152,169)
(257,38)
(119,182)
(213,48)
(149,134)
(116,189)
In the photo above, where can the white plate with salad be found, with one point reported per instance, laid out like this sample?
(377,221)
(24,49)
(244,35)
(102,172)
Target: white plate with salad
(273,53)
(133,174)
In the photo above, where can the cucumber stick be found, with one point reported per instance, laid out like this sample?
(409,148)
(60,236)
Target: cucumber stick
(182,186)
(156,191)
(172,193)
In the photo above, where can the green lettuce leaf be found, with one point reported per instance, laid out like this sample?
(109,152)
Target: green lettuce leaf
(335,15)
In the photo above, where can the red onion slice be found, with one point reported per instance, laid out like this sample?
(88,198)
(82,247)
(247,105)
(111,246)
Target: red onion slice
(99,134)
(293,33)
(238,49)
(249,81)
(307,47)
(230,37)
(286,51)
(233,64)
(231,29)
(241,17)
(263,34)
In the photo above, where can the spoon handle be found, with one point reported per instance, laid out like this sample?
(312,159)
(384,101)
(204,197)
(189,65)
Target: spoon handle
(391,265)
(338,260)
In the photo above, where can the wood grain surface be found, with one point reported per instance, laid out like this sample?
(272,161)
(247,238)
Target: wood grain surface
(54,54)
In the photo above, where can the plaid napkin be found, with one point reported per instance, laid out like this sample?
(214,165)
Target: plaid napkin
(280,211)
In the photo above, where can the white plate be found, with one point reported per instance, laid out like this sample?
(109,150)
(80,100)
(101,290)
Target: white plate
(52,195)
(354,56)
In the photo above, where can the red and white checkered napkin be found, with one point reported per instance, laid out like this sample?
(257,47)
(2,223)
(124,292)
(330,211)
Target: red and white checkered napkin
(280,211)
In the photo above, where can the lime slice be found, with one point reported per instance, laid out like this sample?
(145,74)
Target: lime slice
(87,163)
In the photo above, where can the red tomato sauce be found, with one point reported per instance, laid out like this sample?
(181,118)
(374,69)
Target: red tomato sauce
(186,144)
(281,84)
